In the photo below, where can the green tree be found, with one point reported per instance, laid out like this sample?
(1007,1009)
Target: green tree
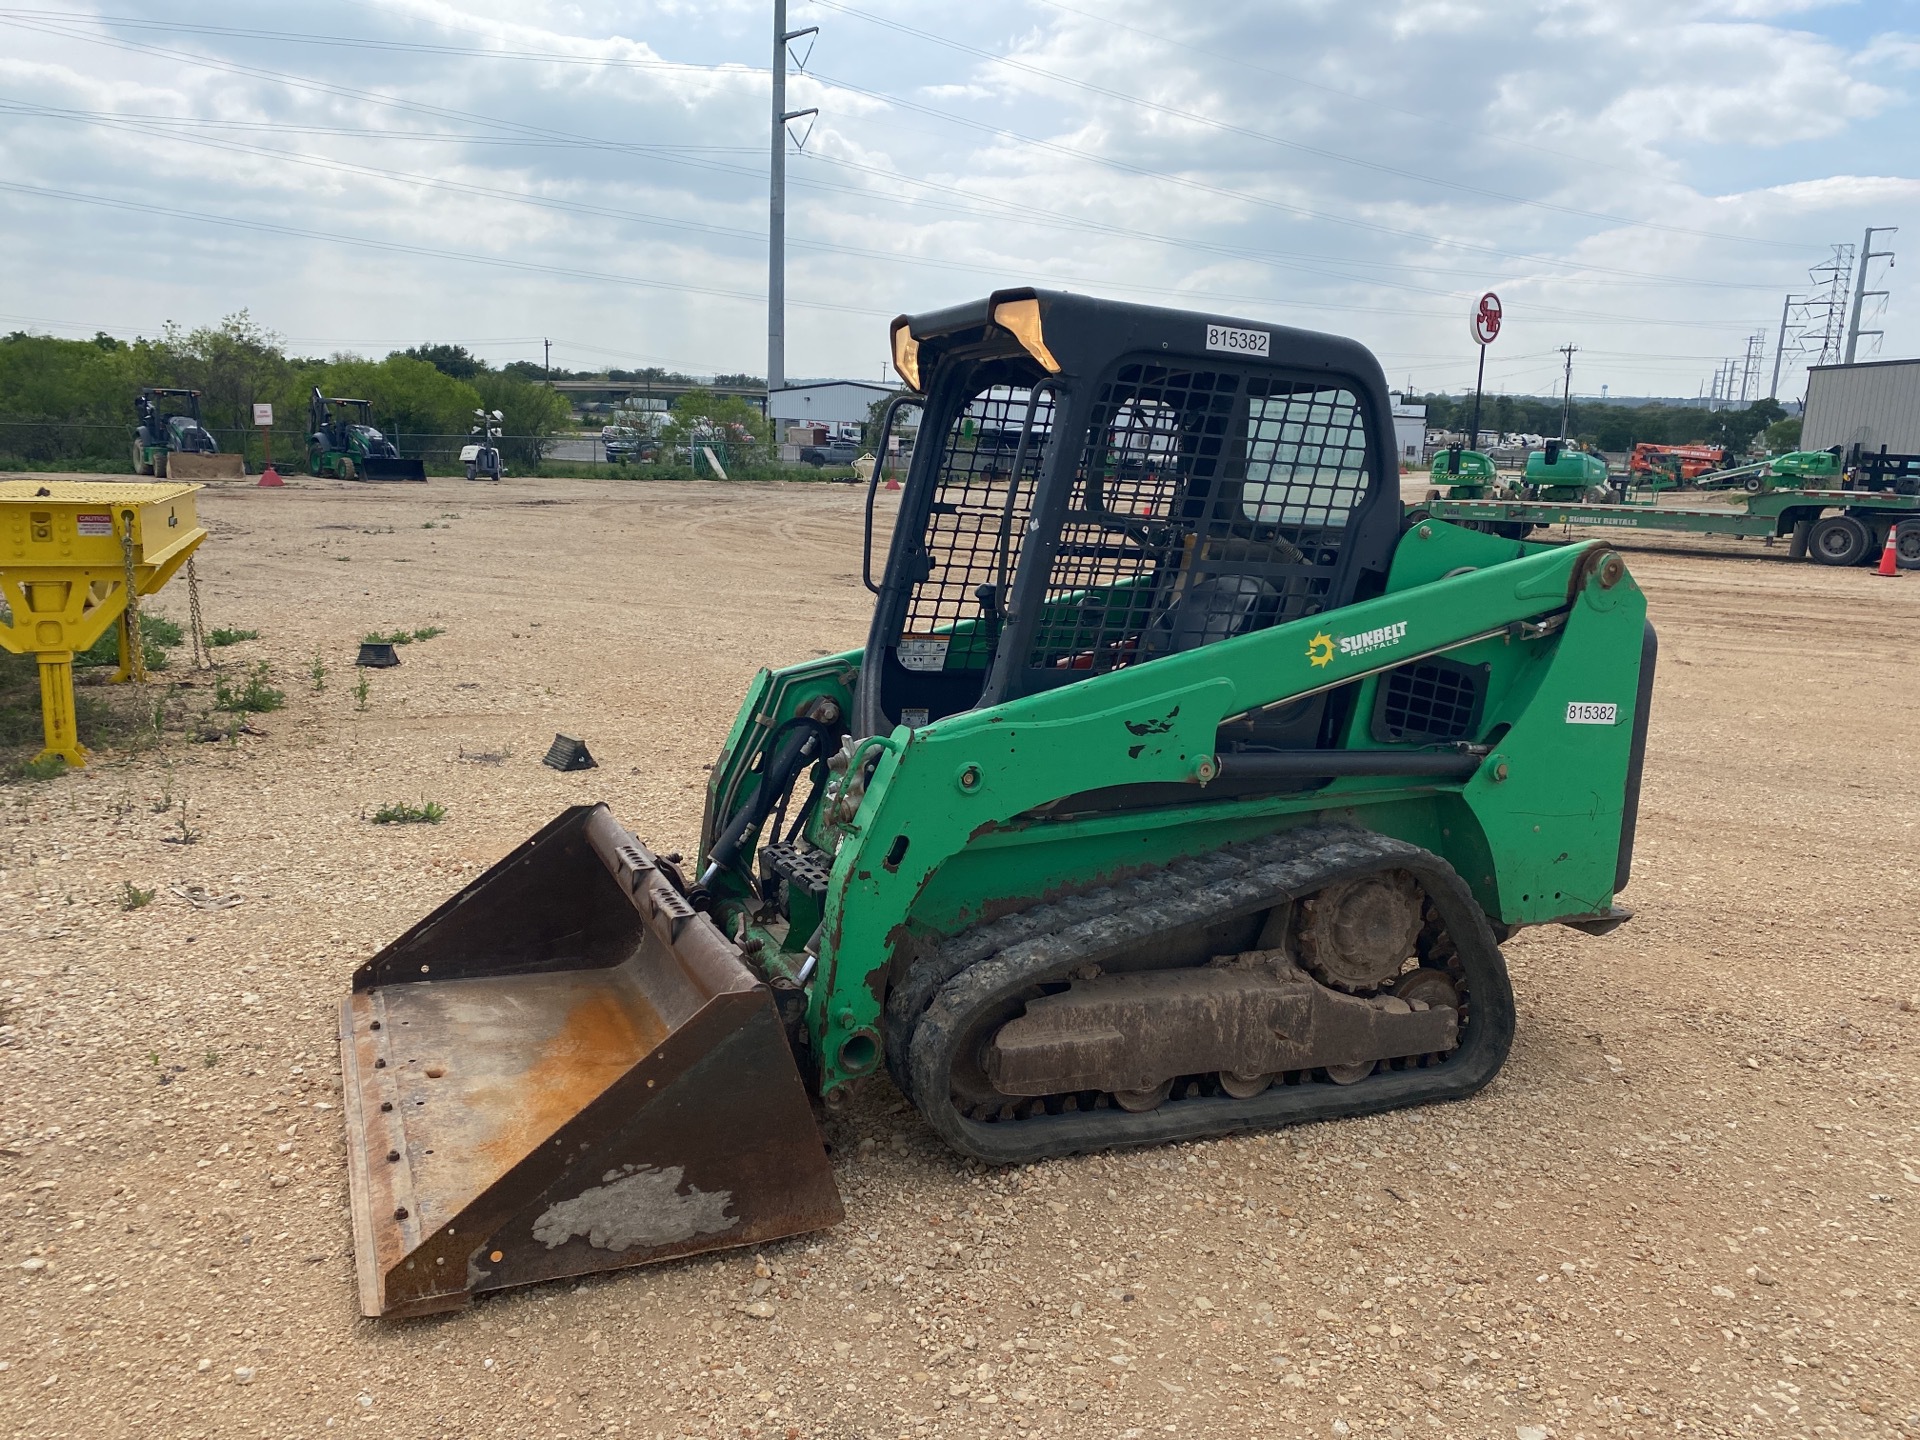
(727,422)
(410,398)
(67,400)
(1782,435)
(232,365)
(532,414)
(453,360)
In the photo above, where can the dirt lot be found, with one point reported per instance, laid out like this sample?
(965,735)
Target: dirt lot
(1686,1207)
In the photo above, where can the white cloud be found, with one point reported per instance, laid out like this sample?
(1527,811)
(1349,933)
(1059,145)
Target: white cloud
(1358,168)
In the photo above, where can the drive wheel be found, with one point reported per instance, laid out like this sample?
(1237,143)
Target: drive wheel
(1838,540)
(346,468)
(1906,545)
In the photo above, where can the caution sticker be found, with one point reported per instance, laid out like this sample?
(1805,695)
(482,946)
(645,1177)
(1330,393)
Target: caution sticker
(926,655)
(93,524)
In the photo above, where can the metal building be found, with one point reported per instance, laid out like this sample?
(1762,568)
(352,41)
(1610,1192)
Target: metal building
(826,402)
(1410,429)
(1871,405)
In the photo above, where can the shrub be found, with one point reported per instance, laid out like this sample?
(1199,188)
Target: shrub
(255,695)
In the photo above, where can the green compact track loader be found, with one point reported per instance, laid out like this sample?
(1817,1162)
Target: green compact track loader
(1181,787)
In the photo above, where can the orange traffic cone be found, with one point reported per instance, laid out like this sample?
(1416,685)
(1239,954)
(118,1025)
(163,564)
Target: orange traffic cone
(270,477)
(1890,556)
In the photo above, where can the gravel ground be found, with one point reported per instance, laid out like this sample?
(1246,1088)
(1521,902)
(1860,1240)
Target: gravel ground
(1686,1207)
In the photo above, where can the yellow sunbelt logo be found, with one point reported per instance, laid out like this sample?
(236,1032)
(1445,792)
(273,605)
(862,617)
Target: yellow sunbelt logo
(1323,647)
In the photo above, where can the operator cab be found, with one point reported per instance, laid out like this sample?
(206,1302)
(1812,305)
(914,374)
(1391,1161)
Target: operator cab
(1098,484)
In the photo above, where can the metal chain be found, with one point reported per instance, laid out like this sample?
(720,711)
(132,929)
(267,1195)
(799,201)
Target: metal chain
(131,637)
(202,651)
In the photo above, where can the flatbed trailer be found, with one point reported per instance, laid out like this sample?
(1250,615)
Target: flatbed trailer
(1829,527)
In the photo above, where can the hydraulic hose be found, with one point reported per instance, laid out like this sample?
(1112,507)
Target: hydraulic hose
(803,742)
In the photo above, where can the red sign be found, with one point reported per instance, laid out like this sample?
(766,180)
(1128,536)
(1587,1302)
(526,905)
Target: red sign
(1486,318)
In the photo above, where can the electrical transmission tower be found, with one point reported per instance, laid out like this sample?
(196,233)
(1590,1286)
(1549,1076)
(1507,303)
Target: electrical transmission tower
(1750,367)
(1827,306)
(1780,346)
(1860,292)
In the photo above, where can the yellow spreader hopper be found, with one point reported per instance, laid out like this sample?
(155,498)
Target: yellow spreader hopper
(70,554)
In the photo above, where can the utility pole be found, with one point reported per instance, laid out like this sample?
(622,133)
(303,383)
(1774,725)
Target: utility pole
(1566,392)
(547,364)
(1780,347)
(1750,367)
(1860,292)
(777,202)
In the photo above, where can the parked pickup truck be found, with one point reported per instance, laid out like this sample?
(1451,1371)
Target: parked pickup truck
(834,452)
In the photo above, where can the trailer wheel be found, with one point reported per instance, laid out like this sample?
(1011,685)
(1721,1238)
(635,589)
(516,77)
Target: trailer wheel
(1838,540)
(1906,545)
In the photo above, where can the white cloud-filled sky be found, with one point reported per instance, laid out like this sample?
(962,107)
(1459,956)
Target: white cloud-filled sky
(1644,179)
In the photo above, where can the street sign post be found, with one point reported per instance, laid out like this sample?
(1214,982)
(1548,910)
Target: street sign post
(263,417)
(1485,324)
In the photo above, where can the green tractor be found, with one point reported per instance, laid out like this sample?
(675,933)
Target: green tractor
(1181,788)
(342,442)
(169,439)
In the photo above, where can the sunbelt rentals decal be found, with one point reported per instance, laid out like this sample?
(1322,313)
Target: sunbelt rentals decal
(1323,647)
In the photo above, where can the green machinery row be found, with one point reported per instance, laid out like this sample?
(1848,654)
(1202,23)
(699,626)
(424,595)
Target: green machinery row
(171,440)
(1828,513)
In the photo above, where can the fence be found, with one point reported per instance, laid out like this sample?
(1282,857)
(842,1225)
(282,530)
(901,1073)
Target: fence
(29,440)
(34,442)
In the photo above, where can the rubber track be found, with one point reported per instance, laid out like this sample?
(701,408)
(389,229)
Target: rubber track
(964,977)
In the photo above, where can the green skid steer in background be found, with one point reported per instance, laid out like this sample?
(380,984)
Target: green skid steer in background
(1180,788)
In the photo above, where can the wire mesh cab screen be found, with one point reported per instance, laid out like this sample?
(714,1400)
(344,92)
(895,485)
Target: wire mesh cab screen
(982,499)
(1207,503)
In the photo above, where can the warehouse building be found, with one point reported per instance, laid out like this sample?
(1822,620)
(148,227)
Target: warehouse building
(1874,405)
(826,402)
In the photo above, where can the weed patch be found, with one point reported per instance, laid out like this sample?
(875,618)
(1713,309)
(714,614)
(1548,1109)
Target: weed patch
(427,812)
(157,636)
(224,636)
(255,693)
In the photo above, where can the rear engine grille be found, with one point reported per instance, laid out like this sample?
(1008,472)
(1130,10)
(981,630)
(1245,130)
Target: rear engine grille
(1430,700)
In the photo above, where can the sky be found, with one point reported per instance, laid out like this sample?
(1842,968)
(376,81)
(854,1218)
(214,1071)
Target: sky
(1645,180)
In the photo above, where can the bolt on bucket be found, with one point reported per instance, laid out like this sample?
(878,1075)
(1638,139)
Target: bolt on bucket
(566,1069)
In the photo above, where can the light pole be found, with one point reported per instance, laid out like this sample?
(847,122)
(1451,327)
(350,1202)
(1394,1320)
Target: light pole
(777,202)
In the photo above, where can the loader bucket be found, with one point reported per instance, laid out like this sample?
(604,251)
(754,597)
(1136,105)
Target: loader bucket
(187,465)
(381,467)
(566,1069)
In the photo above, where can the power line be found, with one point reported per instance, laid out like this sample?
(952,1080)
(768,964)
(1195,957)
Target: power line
(328,163)
(397,247)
